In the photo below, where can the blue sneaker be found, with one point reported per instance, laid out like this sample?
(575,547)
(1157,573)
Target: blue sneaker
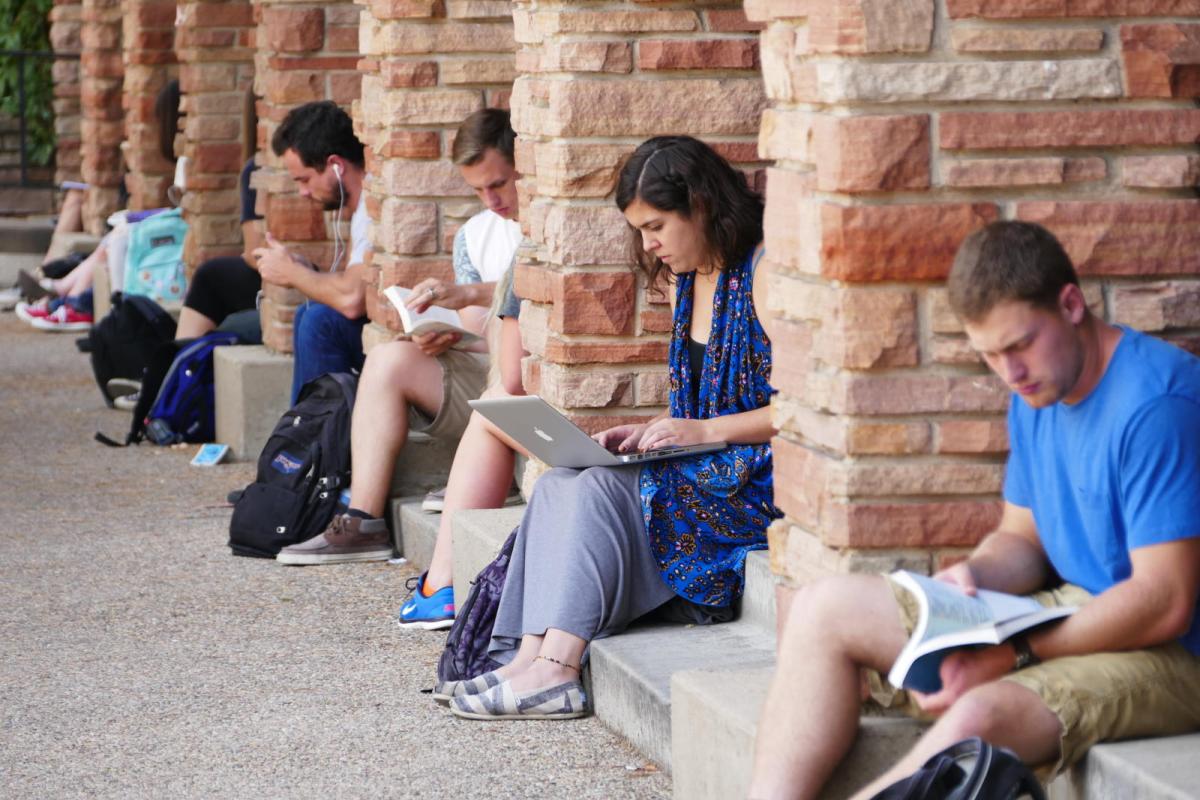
(427,613)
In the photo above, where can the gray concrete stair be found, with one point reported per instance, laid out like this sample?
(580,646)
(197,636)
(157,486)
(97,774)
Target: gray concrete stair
(1163,769)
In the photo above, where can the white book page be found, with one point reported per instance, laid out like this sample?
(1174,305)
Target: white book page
(434,319)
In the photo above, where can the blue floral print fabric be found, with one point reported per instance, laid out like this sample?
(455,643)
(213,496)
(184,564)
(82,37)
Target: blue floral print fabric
(705,513)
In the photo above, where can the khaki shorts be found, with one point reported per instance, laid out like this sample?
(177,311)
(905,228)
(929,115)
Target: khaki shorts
(1097,698)
(463,377)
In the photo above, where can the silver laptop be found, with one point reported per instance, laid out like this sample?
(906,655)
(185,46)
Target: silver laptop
(553,438)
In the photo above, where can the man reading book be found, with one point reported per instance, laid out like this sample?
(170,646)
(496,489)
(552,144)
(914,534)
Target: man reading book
(424,383)
(1102,492)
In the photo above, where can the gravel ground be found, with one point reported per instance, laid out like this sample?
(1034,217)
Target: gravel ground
(139,659)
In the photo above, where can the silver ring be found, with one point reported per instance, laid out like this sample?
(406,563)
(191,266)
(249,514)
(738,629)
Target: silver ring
(432,291)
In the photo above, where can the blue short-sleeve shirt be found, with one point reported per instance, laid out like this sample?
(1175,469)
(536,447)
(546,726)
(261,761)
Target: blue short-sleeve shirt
(1116,471)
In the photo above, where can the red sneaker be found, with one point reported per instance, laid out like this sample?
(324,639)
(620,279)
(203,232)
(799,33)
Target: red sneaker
(28,312)
(63,318)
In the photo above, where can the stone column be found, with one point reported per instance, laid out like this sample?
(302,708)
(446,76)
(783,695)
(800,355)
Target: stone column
(897,129)
(149,56)
(305,51)
(593,84)
(103,127)
(214,44)
(426,67)
(65,39)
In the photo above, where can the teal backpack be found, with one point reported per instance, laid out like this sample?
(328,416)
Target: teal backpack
(154,261)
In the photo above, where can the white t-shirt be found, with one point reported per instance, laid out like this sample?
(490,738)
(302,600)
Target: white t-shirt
(491,242)
(360,229)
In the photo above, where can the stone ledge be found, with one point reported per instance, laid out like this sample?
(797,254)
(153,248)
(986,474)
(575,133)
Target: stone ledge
(253,390)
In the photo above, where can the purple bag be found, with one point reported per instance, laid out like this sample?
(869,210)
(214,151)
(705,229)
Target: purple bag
(466,653)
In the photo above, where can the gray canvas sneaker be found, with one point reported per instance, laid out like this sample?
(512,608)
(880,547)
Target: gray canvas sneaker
(346,539)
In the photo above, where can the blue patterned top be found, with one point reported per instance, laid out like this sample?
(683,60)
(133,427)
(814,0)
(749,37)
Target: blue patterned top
(705,513)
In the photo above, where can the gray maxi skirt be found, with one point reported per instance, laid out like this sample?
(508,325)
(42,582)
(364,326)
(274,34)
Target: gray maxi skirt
(581,562)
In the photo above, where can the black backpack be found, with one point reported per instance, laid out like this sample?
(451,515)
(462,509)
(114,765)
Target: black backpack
(124,342)
(302,470)
(466,652)
(969,770)
(177,401)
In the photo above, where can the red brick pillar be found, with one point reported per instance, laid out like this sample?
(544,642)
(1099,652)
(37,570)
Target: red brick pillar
(593,84)
(897,129)
(65,38)
(305,51)
(426,67)
(214,44)
(103,127)
(149,54)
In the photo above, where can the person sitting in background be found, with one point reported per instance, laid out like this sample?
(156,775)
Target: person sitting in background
(600,547)
(425,383)
(1101,511)
(227,288)
(325,159)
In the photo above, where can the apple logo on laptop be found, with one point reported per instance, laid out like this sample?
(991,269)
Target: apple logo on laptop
(543,434)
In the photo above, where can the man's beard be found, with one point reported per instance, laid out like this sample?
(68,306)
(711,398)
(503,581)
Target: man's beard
(332,205)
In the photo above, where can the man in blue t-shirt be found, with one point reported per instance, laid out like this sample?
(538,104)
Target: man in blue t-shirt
(1102,510)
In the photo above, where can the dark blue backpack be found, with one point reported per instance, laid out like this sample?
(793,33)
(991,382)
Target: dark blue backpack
(466,653)
(184,409)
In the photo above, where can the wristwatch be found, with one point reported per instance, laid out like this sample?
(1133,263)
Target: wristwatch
(1025,655)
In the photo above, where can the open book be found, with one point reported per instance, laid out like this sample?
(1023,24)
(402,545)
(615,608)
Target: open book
(950,620)
(434,319)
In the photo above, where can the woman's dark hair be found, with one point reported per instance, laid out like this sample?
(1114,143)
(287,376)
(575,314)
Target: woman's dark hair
(1008,261)
(684,175)
(166,109)
(317,131)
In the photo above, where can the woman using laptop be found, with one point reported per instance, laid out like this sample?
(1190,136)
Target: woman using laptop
(600,547)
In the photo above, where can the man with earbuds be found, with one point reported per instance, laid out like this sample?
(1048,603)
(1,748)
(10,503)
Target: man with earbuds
(325,159)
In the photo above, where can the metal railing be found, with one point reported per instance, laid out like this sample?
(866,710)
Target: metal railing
(22,56)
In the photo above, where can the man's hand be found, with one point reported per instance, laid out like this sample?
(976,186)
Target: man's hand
(275,263)
(620,439)
(434,292)
(959,575)
(434,344)
(673,432)
(963,670)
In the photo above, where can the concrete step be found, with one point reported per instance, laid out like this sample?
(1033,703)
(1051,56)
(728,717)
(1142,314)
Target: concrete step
(415,530)
(253,388)
(1163,769)
(422,465)
(632,675)
(758,601)
(26,234)
(714,717)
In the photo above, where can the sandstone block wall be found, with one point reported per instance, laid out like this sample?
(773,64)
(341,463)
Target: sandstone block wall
(102,128)
(897,127)
(149,57)
(66,26)
(215,47)
(594,81)
(304,51)
(426,66)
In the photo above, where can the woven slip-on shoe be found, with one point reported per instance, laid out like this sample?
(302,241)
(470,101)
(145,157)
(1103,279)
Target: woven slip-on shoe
(564,701)
(445,691)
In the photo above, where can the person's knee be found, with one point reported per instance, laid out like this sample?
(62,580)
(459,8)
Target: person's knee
(980,712)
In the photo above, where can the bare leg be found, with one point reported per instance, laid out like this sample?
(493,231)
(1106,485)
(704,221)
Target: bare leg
(480,477)
(835,627)
(395,375)
(79,279)
(192,324)
(70,220)
(536,673)
(1004,714)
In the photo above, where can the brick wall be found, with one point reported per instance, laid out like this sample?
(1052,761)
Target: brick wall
(593,83)
(65,30)
(148,37)
(898,126)
(426,66)
(215,47)
(304,51)
(102,126)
